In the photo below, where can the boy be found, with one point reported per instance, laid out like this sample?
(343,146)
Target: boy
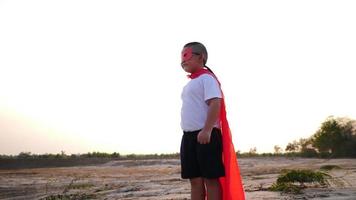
(202,119)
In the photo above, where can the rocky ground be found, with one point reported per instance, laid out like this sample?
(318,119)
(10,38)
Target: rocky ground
(160,179)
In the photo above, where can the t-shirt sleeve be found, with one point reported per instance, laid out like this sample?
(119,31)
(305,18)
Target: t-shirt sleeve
(211,87)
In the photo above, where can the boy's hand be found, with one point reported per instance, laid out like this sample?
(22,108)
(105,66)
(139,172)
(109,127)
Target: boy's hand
(204,137)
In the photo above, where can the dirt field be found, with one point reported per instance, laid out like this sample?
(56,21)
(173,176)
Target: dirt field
(160,179)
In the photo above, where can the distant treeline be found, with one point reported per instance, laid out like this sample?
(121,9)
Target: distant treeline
(29,160)
(336,138)
(117,156)
(62,155)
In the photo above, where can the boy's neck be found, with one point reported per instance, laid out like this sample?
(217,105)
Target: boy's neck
(197,69)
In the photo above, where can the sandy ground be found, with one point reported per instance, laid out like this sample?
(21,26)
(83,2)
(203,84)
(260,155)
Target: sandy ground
(160,179)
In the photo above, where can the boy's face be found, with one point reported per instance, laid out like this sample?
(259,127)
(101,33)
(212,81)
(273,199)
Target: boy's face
(191,62)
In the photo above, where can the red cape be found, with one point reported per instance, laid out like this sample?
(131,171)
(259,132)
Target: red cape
(231,183)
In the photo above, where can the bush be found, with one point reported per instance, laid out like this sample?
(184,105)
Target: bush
(303,176)
(293,181)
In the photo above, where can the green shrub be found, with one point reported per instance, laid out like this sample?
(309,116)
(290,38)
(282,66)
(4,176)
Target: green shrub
(292,181)
(303,176)
(286,187)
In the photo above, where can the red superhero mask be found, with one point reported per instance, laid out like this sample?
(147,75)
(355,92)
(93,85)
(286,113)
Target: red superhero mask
(187,53)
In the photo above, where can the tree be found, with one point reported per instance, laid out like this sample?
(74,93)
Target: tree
(336,136)
(253,151)
(24,155)
(277,149)
(293,147)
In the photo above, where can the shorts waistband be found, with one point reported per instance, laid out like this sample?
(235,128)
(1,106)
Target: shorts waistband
(191,132)
(197,131)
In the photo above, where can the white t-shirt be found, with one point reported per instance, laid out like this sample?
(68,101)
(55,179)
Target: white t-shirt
(194,96)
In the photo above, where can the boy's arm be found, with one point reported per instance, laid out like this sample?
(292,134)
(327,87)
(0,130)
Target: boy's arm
(213,115)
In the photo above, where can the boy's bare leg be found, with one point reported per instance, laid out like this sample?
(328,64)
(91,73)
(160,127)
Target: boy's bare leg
(197,189)
(213,188)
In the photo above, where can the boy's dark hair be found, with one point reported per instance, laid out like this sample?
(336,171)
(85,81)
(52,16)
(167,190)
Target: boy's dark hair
(199,49)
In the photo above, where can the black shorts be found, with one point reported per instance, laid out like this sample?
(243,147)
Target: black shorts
(201,160)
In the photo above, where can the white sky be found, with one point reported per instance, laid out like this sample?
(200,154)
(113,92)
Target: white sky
(85,76)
